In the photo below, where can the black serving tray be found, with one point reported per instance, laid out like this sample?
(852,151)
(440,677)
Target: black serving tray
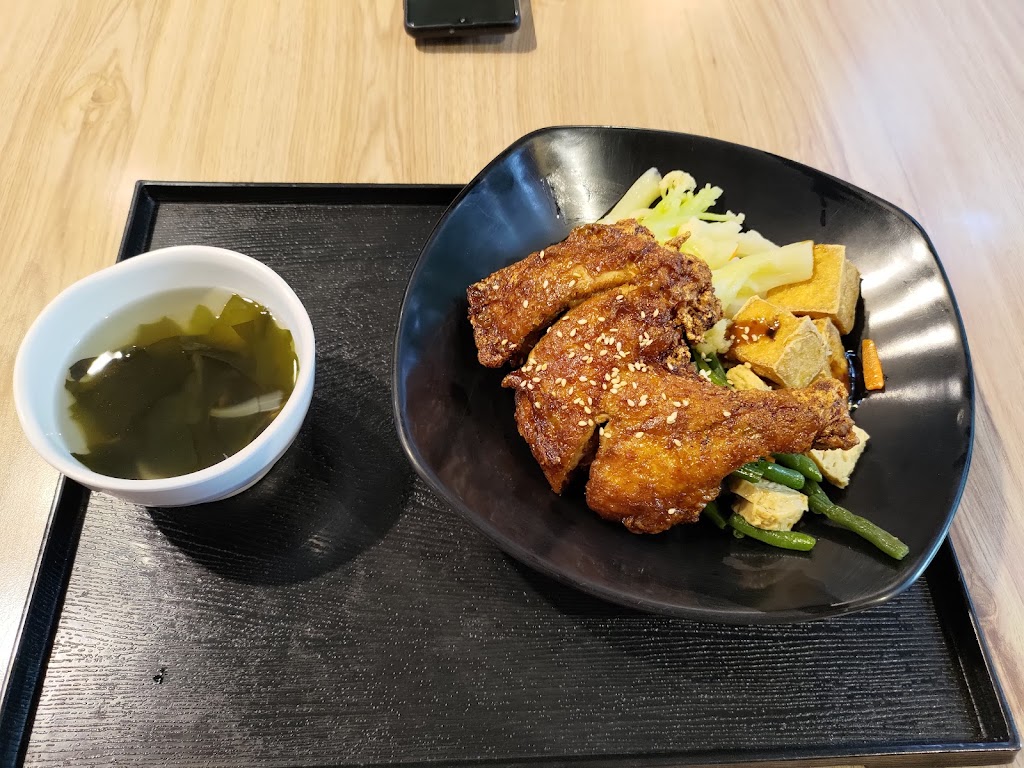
(338,614)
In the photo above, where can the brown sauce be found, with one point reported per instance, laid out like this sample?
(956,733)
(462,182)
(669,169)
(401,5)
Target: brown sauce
(750,331)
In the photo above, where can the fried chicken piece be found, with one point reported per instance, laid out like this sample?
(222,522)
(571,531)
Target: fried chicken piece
(662,458)
(560,389)
(510,308)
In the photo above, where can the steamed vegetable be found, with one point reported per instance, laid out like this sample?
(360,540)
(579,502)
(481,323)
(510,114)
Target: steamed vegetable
(874,379)
(821,504)
(757,274)
(801,463)
(743,264)
(644,191)
(782,539)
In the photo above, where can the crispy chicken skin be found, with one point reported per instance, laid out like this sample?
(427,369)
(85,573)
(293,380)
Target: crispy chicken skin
(661,459)
(560,388)
(609,383)
(511,308)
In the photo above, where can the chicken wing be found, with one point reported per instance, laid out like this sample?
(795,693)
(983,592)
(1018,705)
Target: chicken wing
(559,390)
(662,457)
(511,308)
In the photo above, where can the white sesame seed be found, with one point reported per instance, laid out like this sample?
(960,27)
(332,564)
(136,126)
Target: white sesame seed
(582,422)
(529,385)
(643,315)
(542,253)
(656,313)
(634,384)
(686,403)
(587,410)
(583,378)
(603,352)
(590,401)
(536,403)
(671,419)
(522,384)
(638,434)
(572,283)
(545,283)
(570,355)
(590,422)
(676,403)
(572,332)
(600,319)
(536,379)
(727,414)
(582,321)
(677,443)
(614,330)
(589,359)
(587,346)
(504,342)
(671,510)
(526,303)
(619,297)
(630,402)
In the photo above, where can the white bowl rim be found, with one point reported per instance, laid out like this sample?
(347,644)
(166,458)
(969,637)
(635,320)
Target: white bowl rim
(68,465)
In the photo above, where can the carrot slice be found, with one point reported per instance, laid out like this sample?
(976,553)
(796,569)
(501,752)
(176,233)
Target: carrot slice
(871,366)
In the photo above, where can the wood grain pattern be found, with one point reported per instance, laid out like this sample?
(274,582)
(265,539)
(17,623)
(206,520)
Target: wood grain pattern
(916,100)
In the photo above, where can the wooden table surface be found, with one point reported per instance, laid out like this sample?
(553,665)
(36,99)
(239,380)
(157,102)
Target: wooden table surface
(919,101)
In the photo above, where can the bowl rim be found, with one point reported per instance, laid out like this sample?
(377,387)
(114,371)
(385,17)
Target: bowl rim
(65,463)
(625,597)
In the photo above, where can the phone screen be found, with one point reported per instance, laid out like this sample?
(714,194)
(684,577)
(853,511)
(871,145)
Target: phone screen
(426,14)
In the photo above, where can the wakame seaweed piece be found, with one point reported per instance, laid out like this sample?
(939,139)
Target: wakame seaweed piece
(238,310)
(148,334)
(164,446)
(201,322)
(127,385)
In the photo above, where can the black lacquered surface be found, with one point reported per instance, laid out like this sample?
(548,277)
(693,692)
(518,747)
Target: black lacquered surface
(452,411)
(340,614)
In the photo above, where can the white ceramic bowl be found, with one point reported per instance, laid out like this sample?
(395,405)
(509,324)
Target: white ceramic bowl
(49,346)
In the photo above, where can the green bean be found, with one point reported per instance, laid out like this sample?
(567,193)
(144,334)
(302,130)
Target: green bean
(782,475)
(702,365)
(801,463)
(716,366)
(782,539)
(765,470)
(712,514)
(749,472)
(820,503)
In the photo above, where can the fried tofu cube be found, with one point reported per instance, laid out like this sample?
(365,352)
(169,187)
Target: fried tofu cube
(832,291)
(838,365)
(837,465)
(779,346)
(766,505)
(742,377)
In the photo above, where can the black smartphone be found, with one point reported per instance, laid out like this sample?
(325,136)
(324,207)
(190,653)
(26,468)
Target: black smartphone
(460,18)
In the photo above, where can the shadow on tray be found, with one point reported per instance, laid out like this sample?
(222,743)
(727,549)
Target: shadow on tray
(335,493)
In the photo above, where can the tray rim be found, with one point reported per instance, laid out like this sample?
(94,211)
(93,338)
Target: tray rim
(55,560)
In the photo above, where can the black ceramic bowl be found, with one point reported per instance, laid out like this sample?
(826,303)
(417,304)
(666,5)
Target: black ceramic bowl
(457,426)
